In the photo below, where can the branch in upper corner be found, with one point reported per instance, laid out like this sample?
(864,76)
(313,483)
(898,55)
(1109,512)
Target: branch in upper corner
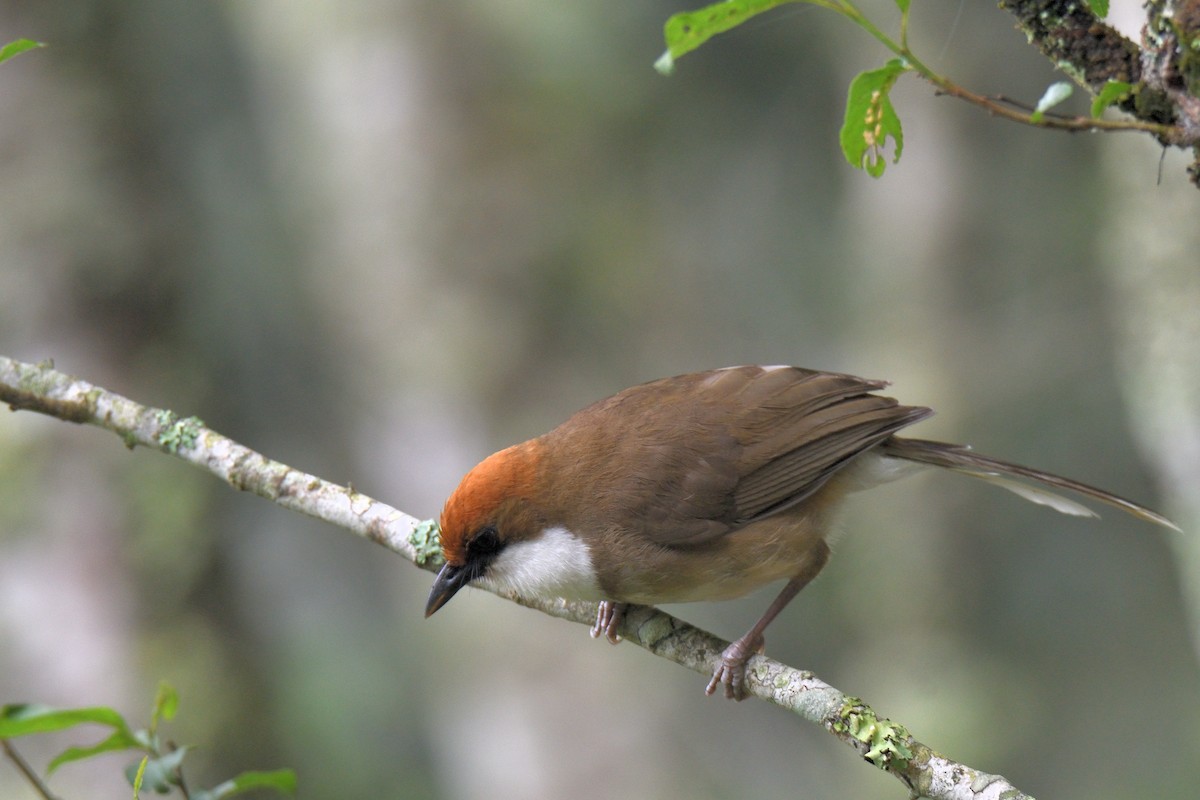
(886,744)
(1071,36)
(1093,54)
(1144,82)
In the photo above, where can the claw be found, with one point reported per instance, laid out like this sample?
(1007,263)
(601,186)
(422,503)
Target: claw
(609,617)
(731,673)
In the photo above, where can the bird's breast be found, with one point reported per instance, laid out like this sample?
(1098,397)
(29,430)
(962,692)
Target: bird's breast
(730,566)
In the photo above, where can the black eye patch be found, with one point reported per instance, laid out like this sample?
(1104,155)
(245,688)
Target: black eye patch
(484,543)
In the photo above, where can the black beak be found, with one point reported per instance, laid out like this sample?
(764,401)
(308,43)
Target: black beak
(447,583)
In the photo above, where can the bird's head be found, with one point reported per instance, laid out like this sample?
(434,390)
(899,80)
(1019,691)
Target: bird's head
(499,530)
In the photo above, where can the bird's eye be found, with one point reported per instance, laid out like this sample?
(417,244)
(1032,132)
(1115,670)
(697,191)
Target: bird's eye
(484,543)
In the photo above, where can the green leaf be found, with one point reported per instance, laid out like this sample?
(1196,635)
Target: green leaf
(139,775)
(687,30)
(17,47)
(166,703)
(1112,92)
(159,774)
(903,5)
(281,780)
(119,740)
(24,719)
(1098,7)
(871,119)
(1055,93)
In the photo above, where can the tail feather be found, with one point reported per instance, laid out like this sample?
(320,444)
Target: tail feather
(963,459)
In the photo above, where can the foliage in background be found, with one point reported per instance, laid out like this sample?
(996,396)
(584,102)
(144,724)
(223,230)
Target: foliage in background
(160,766)
(17,47)
(582,186)
(870,118)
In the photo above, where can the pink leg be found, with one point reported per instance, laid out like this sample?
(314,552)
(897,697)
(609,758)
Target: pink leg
(732,670)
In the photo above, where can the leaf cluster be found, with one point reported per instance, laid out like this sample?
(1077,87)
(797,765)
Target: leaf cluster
(160,765)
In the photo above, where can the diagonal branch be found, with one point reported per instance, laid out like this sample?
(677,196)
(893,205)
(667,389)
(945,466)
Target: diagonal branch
(30,774)
(1069,34)
(882,742)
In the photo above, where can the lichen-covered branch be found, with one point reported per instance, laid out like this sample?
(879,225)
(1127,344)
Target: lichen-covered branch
(882,742)
(1164,70)
(1068,34)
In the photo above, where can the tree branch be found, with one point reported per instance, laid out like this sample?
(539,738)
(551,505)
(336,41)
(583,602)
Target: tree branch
(1093,53)
(1069,34)
(882,742)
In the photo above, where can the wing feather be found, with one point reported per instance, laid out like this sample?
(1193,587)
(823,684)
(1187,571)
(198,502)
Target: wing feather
(741,444)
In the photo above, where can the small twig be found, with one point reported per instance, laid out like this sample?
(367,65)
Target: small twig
(1015,103)
(30,775)
(179,779)
(999,107)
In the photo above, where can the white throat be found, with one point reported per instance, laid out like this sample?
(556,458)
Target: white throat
(555,564)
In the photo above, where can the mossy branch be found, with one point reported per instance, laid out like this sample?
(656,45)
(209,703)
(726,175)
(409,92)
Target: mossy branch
(1163,70)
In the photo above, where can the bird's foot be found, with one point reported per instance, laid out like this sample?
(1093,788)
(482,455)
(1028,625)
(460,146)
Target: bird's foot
(608,619)
(731,673)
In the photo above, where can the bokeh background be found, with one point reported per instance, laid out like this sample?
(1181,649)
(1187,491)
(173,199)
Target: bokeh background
(378,240)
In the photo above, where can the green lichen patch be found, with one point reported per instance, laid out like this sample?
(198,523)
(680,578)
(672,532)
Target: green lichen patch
(175,433)
(427,543)
(886,741)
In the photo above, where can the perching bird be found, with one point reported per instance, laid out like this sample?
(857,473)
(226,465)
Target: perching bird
(699,487)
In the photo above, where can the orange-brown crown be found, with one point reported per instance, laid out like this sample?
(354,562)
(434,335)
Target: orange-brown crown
(483,494)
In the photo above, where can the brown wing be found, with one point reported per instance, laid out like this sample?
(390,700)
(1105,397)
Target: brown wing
(727,447)
(803,427)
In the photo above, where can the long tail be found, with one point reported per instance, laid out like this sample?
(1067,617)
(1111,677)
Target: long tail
(963,459)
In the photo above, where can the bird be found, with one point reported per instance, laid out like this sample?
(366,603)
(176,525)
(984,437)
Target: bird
(700,487)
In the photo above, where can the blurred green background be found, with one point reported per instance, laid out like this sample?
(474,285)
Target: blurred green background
(379,240)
